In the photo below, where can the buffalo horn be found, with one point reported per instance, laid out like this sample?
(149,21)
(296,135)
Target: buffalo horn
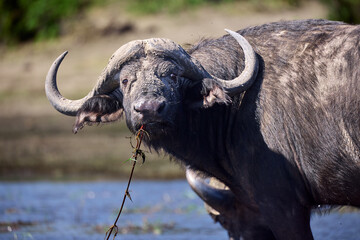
(219,199)
(107,82)
(248,75)
(63,105)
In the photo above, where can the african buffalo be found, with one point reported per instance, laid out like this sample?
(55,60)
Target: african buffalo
(275,117)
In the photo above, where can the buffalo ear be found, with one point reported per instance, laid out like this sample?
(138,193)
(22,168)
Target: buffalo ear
(213,92)
(98,109)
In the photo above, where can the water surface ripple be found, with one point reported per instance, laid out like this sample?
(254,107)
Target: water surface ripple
(160,210)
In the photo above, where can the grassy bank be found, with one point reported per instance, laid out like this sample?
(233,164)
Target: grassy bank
(44,147)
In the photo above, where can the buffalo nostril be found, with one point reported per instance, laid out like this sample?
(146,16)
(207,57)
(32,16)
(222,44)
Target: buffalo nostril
(138,107)
(149,107)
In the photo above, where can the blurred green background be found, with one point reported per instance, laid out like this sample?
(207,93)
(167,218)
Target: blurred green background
(23,20)
(35,141)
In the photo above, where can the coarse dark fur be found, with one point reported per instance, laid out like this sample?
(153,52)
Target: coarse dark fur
(292,140)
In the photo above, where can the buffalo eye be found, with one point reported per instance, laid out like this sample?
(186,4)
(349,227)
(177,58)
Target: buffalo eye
(173,77)
(125,81)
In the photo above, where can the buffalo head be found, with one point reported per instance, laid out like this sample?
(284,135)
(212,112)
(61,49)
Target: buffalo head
(152,81)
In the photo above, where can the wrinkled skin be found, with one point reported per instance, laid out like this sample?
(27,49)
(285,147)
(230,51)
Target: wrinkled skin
(288,142)
(141,83)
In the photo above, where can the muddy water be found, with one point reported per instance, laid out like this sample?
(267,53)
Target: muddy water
(159,210)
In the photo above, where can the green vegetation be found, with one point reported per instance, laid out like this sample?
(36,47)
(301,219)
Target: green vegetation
(173,6)
(340,10)
(344,10)
(23,20)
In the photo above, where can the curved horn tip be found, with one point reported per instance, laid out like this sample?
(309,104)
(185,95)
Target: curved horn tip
(229,31)
(51,90)
(235,34)
(62,56)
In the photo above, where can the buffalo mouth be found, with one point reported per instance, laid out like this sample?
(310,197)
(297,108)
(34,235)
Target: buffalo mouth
(154,129)
(155,115)
(153,126)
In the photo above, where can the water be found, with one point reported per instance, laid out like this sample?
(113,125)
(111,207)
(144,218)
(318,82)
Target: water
(160,210)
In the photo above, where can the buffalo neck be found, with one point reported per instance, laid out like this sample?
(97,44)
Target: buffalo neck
(204,139)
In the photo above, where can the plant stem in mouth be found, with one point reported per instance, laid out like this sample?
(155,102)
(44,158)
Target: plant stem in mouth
(139,137)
